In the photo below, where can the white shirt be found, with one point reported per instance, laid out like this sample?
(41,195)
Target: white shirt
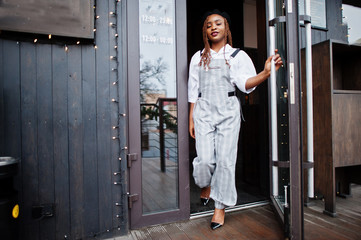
(242,68)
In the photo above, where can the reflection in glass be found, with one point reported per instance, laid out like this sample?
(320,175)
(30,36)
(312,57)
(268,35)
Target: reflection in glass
(351,18)
(318,12)
(158,106)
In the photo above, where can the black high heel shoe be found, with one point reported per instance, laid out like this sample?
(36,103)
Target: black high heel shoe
(215,225)
(205,195)
(204,201)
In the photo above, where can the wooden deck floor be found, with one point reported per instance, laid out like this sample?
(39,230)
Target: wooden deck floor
(347,224)
(260,223)
(255,223)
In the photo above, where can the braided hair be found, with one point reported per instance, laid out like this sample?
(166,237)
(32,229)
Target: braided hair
(206,55)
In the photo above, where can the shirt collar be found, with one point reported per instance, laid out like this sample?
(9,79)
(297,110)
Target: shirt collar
(227,49)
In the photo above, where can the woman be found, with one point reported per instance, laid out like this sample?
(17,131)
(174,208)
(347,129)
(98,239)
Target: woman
(214,118)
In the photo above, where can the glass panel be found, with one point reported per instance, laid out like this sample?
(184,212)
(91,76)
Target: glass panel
(158,105)
(282,110)
(351,18)
(318,12)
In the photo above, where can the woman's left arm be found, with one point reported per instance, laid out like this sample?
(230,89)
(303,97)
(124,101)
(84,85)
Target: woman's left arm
(262,76)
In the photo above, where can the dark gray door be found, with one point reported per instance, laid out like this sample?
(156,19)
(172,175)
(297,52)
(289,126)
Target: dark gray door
(158,112)
(285,162)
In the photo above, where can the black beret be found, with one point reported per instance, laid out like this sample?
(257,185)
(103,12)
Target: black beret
(216,11)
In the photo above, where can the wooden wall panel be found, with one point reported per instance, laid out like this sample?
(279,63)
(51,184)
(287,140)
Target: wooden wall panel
(75,129)
(346,129)
(29,139)
(11,94)
(2,105)
(45,154)
(122,210)
(91,204)
(114,120)
(103,117)
(57,116)
(61,145)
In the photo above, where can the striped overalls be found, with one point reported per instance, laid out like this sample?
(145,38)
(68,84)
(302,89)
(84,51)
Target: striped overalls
(217,123)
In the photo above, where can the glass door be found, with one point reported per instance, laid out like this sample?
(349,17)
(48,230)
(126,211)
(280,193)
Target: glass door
(157,158)
(285,164)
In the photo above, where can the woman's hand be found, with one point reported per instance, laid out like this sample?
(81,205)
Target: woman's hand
(191,122)
(262,76)
(191,128)
(278,62)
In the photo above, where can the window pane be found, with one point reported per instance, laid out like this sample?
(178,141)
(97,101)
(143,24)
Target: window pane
(158,93)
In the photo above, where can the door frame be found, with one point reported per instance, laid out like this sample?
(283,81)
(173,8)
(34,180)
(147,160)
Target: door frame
(136,218)
(293,75)
(294,78)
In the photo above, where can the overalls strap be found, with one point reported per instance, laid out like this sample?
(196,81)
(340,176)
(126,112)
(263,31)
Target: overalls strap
(235,52)
(232,56)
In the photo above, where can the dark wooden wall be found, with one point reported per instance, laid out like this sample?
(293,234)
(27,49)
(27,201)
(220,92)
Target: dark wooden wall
(334,30)
(57,116)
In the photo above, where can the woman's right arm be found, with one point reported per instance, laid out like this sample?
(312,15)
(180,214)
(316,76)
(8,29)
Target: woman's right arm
(191,122)
(193,89)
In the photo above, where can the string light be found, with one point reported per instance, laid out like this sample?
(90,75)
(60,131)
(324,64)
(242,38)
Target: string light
(78,42)
(95,47)
(49,36)
(35,40)
(115,83)
(66,48)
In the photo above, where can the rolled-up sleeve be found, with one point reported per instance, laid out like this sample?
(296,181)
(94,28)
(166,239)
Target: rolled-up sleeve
(241,70)
(193,79)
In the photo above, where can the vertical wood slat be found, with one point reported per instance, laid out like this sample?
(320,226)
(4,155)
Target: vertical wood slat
(45,135)
(122,130)
(11,93)
(114,113)
(91,201)
(103,117)
(11,105)
(60,135)
(30,166)
(2,105)
(75,128)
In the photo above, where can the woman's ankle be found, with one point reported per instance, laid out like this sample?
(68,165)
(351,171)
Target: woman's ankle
(218,216)
(205,192)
